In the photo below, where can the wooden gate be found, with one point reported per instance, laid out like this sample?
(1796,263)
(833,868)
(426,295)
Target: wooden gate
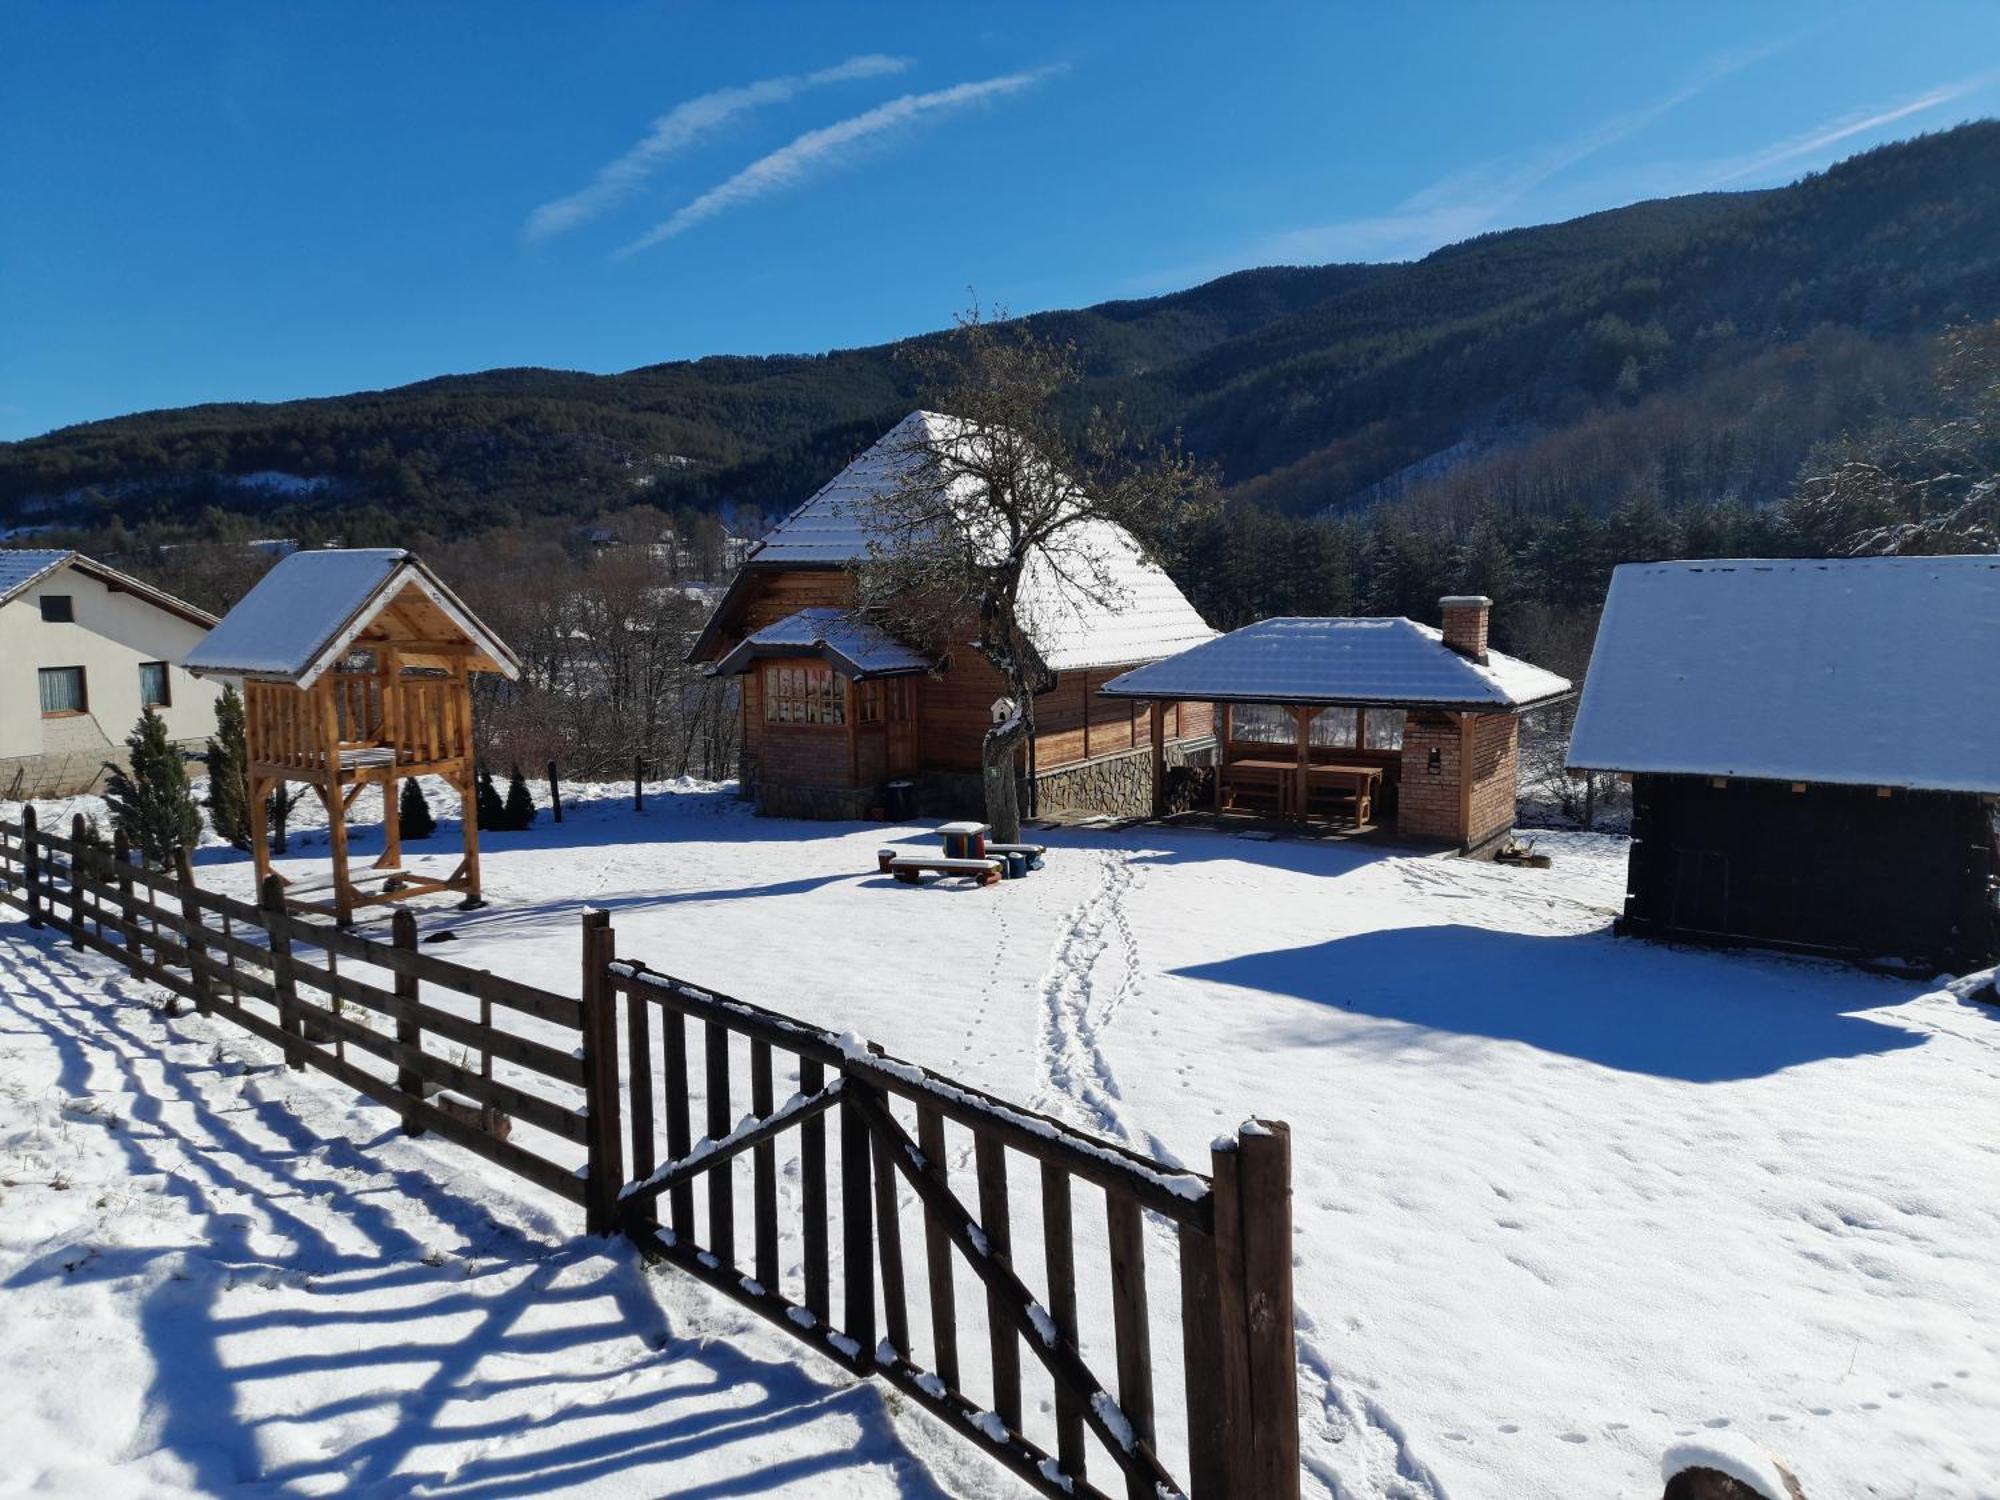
(889,1226)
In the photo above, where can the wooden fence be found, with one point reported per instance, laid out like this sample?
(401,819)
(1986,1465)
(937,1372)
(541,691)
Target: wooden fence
(607,1092)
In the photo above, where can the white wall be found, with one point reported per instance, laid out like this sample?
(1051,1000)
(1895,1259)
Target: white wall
(112,634)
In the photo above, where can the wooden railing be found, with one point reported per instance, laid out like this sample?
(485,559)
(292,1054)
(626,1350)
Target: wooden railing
(852,1240)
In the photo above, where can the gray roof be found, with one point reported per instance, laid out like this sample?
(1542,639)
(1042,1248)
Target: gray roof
(1881,671)
(303,614)
(1373,660)
(857,648)
(19,569)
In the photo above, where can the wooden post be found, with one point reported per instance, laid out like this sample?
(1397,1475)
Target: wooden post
(409,1030)
(76,879)
(271,901)
(1264,1201)
(197,951)
(329,791)
(121,856)
(555,792)
(857,1230)
(1301,787)
(1132,1323)
(1159,756)
(606,1170)
(31,864)
(638,784)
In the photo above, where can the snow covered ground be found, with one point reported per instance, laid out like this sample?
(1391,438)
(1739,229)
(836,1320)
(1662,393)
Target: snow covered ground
(1561,1201)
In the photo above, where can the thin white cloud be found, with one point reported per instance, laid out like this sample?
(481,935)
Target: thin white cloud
(827,148)
(1821,138)
(681,127)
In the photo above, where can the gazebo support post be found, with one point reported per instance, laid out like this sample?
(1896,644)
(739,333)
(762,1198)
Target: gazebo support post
(328,787)
(1302,718)
(1159,756)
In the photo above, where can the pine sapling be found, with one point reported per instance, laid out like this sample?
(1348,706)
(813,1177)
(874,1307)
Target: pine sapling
(229,772)
(520,807)
(152,803)
(488,809)
(413,813)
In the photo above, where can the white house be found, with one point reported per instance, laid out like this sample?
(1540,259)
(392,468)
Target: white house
(83,649)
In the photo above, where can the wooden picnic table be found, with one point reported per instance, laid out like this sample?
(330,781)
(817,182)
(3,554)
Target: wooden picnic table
(1257,772)
(1362,783)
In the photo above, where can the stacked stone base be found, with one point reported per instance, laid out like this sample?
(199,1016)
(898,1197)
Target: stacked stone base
(66,773)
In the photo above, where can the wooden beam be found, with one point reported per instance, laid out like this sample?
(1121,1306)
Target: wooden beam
(1159,717)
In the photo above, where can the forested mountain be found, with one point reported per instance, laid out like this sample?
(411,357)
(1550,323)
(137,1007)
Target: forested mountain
(1702,344)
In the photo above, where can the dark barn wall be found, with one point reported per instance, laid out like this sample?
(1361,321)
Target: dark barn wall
(1833,869)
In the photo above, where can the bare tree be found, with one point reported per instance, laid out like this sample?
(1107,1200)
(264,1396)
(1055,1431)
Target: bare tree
(997,489)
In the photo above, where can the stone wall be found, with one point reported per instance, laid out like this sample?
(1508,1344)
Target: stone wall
(65,773)
(790,799)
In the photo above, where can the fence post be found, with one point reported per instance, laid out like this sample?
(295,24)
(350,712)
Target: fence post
(121,856)
(1264,1162)
(271,902)
(197,951)
(555,792)
(638,784)
(31,864)
(605,1173)
(76,879)
(409,1031)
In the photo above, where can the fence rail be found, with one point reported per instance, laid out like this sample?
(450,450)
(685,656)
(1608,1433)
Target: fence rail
(906,1203)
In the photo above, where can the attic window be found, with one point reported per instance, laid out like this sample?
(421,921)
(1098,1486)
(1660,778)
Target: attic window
(58,609)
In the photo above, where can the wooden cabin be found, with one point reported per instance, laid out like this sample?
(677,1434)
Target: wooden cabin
(840,721)
(356,671)
(1363,722)
(1812,752)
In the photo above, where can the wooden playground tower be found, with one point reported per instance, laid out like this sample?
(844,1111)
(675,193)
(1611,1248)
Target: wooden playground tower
(356,668)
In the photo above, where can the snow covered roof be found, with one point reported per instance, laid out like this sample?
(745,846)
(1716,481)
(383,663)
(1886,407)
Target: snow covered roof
(1385,660)
(19,569)
(310,609)
(857,648)
(1881,671)
(1148,617)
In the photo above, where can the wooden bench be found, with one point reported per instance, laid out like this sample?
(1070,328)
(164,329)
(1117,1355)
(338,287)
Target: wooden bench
(1033,851)
(910,868)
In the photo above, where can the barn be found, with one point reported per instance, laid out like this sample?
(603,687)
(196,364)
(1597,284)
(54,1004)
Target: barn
(1814,752)
(838,715)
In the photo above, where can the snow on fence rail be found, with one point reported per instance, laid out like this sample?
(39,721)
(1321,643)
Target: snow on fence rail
(588,1088)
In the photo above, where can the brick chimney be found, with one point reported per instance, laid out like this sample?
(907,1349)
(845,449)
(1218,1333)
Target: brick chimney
(1465,617)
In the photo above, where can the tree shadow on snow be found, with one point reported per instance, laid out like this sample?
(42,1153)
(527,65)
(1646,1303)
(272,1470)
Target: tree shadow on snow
(1695,1016)
(402,1339)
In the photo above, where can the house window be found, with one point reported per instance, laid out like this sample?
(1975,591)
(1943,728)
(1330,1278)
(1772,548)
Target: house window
(62,691)
(153,684)
(868,703)
(804,695)
(1385,728)
(58,609)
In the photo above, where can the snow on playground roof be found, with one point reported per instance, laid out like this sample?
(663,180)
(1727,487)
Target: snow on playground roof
(1147,617)
(856,647)
(1385,660)
(1871,671)
(19,569)
(303,614)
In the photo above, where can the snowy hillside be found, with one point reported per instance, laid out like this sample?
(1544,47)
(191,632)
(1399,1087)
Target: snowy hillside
(1561,1201)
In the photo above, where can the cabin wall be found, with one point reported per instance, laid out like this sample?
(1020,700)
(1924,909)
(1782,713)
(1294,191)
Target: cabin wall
(1832,869)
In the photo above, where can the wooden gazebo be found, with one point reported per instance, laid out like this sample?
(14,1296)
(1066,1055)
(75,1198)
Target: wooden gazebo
(356,668)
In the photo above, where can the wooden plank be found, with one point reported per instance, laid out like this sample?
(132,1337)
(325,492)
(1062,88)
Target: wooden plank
(857,1233)
(680,1129)
(639,1081)
(282,982)
(937,1254)
(1236,1463)
(507,993)
(705,1156)
(721,1181)
(1201,1367)
(409,1030)
(812,1183)
(1059,1249)
(990,1165)
(1266,1198)
(1132,1322)
(889,1238)
(764,1170)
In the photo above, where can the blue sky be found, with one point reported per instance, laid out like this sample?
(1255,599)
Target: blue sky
(258,201)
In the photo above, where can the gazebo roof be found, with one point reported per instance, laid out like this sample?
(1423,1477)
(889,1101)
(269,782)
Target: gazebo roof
(313,607)
(854,647)
(1390,661)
